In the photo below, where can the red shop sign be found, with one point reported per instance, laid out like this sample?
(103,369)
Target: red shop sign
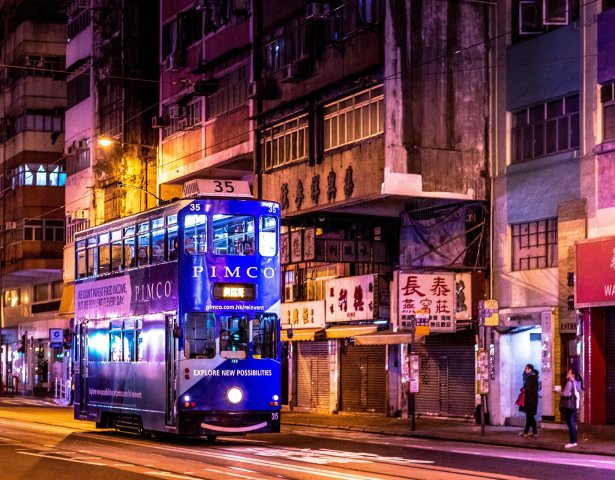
(595,281)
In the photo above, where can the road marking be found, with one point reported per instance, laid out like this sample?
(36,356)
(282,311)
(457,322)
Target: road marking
(171,475)
(64,459)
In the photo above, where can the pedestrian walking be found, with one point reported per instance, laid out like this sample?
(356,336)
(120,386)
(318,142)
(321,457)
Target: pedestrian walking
(530,400)
(569,403)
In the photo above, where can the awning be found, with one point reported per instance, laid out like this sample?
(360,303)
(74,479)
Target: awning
(67,304)
(346,331)
(385,338)
(302,334)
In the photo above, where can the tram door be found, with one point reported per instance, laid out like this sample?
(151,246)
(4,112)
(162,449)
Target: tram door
(82,331)
(171,368)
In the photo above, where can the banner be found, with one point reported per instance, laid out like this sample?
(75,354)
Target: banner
(351,298)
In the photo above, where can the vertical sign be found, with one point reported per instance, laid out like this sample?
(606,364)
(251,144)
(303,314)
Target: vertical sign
(414,372)
(482,372)
(352,298)
(431,293)
(489,313)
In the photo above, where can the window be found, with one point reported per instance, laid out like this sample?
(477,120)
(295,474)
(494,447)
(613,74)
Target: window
(370,11)
(354,118)
(182,117)
(39,175)
(44,66)
(285,44)
(78,21)
(80,266)
(200,335)
(268,236)
(264,336)
(531,17)
(57,288)
(285,142)
(607,98)
(534,244)
(80,160)
(232,93)
(125,340)
(546,128)
(41,292)
(234,339)
(77,89)
(12,298)
(104,259)
(233,234)
(195,234)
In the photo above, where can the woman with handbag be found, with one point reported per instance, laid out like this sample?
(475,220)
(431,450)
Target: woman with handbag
(569,404)
(530,400)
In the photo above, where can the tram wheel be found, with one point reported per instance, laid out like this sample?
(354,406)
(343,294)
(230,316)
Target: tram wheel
(211,438)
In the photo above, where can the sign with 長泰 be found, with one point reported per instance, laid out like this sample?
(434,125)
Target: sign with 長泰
(351,298)
(429,294)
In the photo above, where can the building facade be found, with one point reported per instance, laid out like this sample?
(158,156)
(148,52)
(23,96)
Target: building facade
(33,100)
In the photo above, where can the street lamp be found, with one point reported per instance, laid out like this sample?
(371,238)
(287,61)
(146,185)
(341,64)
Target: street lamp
(106,142)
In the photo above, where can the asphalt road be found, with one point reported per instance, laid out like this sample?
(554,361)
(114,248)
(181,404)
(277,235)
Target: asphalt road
(43,442)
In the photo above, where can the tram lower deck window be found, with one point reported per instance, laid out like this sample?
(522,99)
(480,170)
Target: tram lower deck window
(200,335)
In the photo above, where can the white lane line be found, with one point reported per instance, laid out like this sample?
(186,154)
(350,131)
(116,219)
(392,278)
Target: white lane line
(171,475)
(53,457)
(231,474)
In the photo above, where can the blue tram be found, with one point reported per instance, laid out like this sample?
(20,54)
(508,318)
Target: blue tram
(177,318)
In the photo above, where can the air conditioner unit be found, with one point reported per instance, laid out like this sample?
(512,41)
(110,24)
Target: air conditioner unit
(79,214)
(160,122)
(295,70)
(10,225)
(176,111)
(317,10)
(263,90)
(206,87)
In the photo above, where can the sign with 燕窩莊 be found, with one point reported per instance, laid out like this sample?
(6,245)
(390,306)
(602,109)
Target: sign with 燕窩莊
(429,294)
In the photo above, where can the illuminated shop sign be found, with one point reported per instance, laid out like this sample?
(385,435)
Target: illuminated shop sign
(234,291)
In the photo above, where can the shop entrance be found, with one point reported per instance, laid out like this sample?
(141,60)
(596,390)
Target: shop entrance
(520,347)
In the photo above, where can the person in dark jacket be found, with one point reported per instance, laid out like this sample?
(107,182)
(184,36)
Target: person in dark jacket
(530,406)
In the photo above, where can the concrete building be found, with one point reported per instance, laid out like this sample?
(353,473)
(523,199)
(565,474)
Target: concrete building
(32,103)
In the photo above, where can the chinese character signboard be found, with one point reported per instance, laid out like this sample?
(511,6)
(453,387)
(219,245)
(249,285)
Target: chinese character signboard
(482,372)
(433,294)
(352,298)
(489,313)
(303,314)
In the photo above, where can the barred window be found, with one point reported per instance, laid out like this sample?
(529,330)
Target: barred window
(354,118)
(233,93)
(546,128)
(285,142)
(78,21)
(182,117)
(534,244)
(80,160)
(44,230)
(38,175)
(77,90)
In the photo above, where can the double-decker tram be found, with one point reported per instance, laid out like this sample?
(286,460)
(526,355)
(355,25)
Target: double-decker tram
(177,317)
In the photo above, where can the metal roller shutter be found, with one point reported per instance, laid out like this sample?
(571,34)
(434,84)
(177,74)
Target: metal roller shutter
(447,373)
(363,378)
(313,375)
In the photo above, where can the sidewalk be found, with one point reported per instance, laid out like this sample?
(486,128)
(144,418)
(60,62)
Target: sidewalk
(593,439)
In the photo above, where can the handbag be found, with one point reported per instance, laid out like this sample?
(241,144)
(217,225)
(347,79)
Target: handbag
(568,404)
(521,399)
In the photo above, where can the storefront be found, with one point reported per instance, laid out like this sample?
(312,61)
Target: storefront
(595,299)
(308,362)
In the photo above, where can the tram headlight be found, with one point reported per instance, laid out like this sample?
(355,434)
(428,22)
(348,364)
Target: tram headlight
(234,395)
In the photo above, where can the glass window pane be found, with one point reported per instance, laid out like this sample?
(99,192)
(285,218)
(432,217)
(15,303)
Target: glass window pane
(233,234)
(195,234)
(267,237)
(234,336)
(158,246)
(264,336)
(200,335)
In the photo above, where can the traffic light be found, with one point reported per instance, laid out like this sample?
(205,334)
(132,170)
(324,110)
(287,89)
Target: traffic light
(68,339)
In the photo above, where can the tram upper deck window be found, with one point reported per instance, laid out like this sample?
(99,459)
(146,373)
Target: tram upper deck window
(200,335)
(264,336)
(195,234)
(267,236)
(234,335)
(116,250)
(92,256)
(81,265)
(172,236)
(129,246)
(233,234)
(104,258)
